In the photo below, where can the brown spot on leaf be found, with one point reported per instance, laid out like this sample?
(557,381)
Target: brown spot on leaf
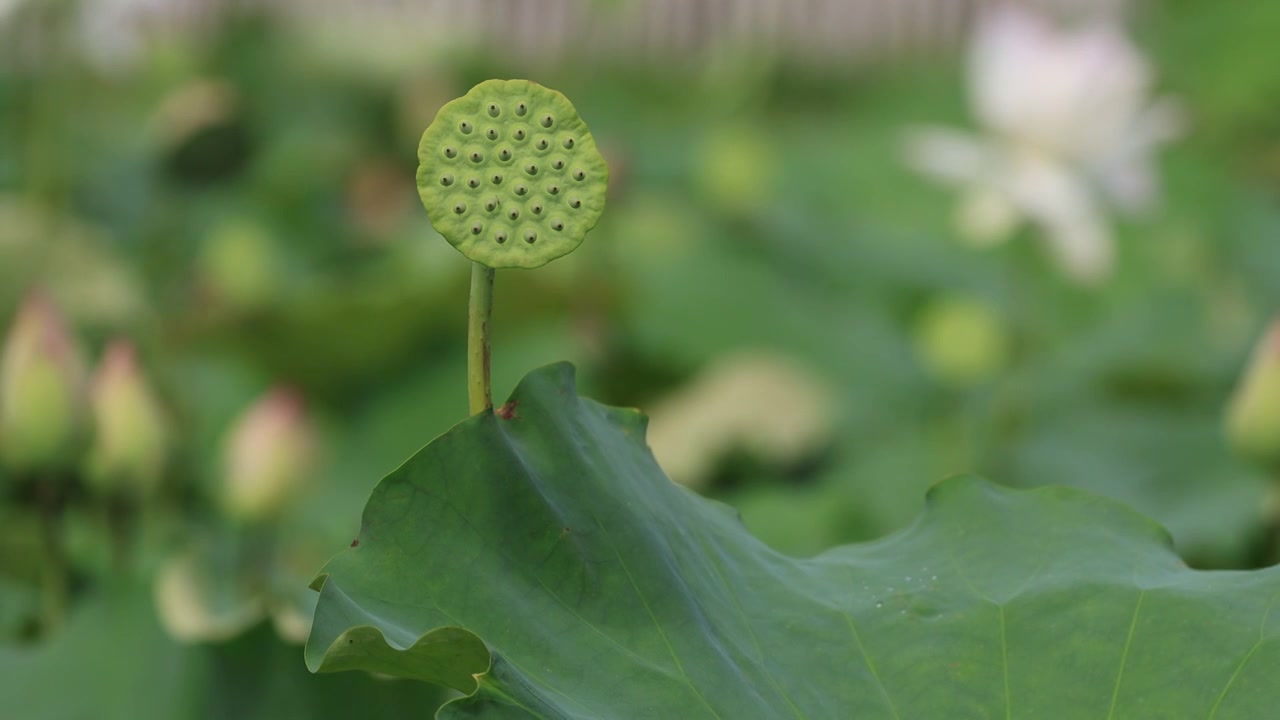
(355,543)
(508,411)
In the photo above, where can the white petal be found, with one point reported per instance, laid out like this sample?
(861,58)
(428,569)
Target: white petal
(1073,92)
(986,217)
(1059,201)
(1126,171)
(948,155)
(1003,60)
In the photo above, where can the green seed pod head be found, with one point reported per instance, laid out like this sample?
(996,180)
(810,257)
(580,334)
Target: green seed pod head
(510,174)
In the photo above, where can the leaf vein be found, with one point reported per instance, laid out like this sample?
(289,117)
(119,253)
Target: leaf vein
(1124,656)
(1262,638)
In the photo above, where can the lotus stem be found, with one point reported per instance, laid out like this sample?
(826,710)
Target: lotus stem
(481,309)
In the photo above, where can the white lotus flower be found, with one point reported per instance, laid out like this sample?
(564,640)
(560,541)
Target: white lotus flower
(1067,131)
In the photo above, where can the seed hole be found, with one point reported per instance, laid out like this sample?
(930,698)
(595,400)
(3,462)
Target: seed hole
(575,203)
(530,236)
(459,208)
(473,183)
(491,204)
(536,208)
(500,236)
(496,179)
(504,154)
(451,152)
(521,109)
(514,213)
(553,189)
(568,143)
(543,144)
(491,133)
(531,169)
(548,121)
(477,229)
(557,224)
(494,110)
(446,180)
(519,134)
(465,127)
(476,157)
(579,175)
(522,189)
(558,164)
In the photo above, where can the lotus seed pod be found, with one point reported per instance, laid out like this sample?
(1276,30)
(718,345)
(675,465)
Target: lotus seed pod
(510,175)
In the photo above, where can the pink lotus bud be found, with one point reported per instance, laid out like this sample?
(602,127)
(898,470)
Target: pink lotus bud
(1253,416)
(41,387)
(129,427)
(267,456)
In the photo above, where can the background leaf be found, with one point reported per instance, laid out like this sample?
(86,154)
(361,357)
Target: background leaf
(114,662)
(603,590)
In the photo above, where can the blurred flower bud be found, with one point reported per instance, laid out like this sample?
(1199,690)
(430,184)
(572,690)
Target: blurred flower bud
(237,266)
(41,387)
(267,456)
(200,598)
(962,342)
(129,443)
(735,169)
(1253,415)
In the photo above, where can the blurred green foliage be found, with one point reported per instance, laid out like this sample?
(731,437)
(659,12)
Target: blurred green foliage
(240,206)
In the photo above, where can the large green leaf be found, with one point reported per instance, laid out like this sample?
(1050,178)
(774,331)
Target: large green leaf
(543,564)
(113,661)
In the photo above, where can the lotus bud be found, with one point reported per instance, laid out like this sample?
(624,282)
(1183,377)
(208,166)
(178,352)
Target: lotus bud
(735,169)
(41,388)
(267,456)
(237,266)
(1253,415)
(129,446)
(962,342)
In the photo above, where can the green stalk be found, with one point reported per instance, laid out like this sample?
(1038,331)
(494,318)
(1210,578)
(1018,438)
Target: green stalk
(480,311)
(1271,507)
(55,570)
